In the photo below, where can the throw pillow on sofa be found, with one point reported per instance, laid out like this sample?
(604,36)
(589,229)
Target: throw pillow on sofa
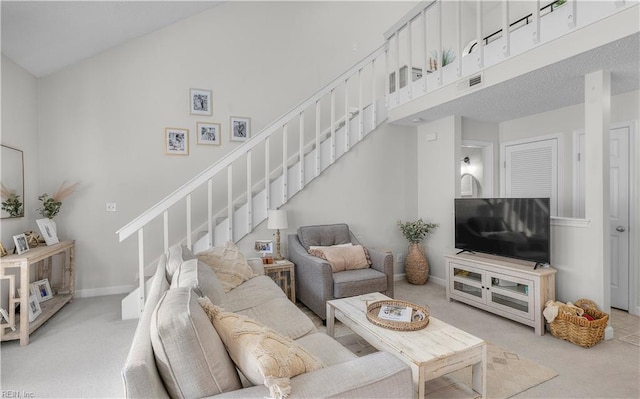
(261,354)
(201,278)
(229,264)
(342,258)
(190,356)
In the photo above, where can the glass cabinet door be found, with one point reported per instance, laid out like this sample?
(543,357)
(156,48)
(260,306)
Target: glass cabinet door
(511,294)
(467,281)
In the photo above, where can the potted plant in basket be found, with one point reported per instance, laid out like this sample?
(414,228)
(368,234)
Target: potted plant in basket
(416,265)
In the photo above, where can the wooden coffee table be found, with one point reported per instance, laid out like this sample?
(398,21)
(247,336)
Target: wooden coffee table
(432,352)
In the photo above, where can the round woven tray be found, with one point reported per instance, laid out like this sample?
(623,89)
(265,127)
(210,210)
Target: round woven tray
(373,309)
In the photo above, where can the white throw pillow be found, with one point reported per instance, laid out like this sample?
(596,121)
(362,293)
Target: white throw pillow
(261,354)
(229,264)
(199,276)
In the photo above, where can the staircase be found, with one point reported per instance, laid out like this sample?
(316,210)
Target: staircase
(322,128)
(284,157)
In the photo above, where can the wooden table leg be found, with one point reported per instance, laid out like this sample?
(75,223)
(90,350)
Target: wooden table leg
(421,383)
(24,305)
(330,319)
(479,374)
(72,271)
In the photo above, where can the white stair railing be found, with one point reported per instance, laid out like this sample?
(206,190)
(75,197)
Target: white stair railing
(353,93)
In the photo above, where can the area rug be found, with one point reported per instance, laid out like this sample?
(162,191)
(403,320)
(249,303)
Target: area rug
(507,375)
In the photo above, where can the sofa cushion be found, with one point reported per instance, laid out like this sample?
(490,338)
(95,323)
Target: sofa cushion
(342,258)
(189,354)
(358,282)
(324,235)
(176,254)
(325,348)
(283,316)
(200,277)
(251,293)
(263,355)
(230,265)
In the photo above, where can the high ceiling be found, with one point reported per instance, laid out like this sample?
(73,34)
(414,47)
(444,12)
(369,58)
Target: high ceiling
(46,36)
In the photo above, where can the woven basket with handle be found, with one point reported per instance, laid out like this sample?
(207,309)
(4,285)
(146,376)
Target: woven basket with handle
(577,329)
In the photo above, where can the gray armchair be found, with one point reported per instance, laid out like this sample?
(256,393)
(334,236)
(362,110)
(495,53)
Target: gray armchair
(316,283)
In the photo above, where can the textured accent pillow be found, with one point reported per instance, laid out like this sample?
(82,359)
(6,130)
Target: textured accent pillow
(261,354)
(201,278)
(343,258)
(229,264)
(176,254)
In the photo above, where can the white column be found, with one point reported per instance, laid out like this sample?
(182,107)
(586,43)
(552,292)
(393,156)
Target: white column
(597,103)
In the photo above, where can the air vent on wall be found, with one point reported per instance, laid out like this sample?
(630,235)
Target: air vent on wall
(468,83)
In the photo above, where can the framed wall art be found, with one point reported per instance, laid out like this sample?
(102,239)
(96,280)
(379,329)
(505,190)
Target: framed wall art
(240,128)
(176,141)
(200,102)
(208,133)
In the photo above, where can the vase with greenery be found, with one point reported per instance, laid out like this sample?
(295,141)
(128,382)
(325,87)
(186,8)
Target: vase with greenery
(448,56)
(416,265)
(51,204)
(11,203)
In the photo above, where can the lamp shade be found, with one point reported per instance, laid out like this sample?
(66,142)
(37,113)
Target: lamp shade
(277,219)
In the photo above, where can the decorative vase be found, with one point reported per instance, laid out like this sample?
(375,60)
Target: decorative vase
(416,266)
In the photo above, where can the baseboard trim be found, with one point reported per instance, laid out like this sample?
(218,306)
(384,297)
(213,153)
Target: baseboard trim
(117,290)
(436,280)
(608,333)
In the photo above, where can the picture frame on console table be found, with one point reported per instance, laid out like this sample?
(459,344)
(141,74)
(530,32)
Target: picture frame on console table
(42,290)
(34,308)
(22,245)
(48,231)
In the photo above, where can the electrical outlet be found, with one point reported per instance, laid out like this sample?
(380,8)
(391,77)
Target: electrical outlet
(111,206)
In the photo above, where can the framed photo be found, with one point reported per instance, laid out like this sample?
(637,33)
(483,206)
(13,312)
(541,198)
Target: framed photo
(176,141)
(34,308)
(48,231)
(264,246)
(41,290)
(208,133)
(21,243)
(200,102)
(240,128)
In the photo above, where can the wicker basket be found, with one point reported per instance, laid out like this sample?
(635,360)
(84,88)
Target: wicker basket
(373,309)
(577,329)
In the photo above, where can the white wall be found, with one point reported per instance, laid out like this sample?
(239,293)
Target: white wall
(20,131)
(102,120)
(370,188)
(438,183)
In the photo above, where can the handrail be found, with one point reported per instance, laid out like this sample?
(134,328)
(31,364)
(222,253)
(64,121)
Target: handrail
(201,178)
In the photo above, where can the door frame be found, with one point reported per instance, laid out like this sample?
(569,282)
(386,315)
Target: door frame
(634,191)
(488,176)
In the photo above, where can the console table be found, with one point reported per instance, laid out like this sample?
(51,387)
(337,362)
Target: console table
(41,257)
(508,287)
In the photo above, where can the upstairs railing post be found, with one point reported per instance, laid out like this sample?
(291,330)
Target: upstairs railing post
(347,120)
(360,113)
(571,17)
(374,108)
(425,54)
(506,33)
(439,41)
(317,138)
(410,60)
(301,152)
(479,38)
(333,126)
(536,23)
(285,166)
(459,38)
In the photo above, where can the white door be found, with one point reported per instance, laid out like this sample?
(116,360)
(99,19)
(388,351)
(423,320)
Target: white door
(619,214)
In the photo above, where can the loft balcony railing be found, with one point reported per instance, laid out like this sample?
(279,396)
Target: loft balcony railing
(426,45)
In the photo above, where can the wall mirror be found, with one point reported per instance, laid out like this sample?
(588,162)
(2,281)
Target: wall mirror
(12,179)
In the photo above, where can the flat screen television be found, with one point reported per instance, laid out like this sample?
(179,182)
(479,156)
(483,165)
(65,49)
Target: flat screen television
(513,227)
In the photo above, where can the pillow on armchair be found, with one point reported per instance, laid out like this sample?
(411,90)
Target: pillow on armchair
(342,257)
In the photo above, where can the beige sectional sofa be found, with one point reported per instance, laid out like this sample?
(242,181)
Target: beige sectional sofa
(176,351)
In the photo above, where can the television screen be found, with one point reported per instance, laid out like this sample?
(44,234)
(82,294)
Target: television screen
(512,227)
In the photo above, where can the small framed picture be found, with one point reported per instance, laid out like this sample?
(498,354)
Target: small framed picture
(42,290)
(240,128)
(34,308)
(21,243)
(176,141)
(48,231)
(264,246)
(200,102)
(208,133)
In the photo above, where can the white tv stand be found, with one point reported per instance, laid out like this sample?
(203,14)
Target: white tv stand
(508,287)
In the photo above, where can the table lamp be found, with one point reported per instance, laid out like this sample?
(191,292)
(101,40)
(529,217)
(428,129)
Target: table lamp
(277,221)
